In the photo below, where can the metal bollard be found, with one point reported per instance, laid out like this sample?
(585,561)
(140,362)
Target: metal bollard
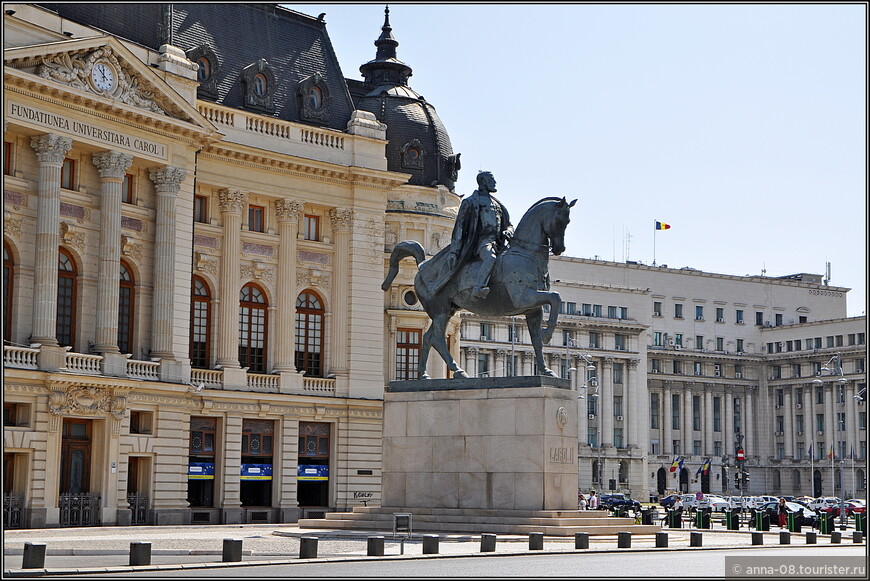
(308,547)
(536,541)
(34,556)
(836,538)
(811,538)
(857,537)
(140,553)
(375,546)
(430,544)
(661,540)
(581,540)
(757,538)
(696,539)
(784,538)
(623,540)
(487,543)
(232,550)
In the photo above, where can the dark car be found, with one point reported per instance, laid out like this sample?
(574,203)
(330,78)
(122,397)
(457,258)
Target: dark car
(611,501)
(669,500)
(807,517)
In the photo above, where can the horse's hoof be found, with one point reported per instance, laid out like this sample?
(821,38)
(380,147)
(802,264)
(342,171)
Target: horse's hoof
(549,372)
(424,376)
(460,374)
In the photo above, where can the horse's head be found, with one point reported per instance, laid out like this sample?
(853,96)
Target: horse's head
(555,226)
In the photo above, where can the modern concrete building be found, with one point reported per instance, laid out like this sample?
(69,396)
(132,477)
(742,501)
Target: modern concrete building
(692,365)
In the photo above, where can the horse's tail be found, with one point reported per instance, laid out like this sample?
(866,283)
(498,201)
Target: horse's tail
(400,251)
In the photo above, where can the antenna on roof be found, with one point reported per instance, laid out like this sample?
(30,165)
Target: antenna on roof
(827,273)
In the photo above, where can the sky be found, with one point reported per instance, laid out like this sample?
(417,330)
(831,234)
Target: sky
(742,126)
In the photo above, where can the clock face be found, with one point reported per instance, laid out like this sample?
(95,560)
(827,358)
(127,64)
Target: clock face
(103,77)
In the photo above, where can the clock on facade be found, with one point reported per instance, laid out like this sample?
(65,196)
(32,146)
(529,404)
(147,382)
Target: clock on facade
(103,77)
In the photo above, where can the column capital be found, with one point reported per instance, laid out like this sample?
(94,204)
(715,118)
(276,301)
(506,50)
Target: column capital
(632,363)
(167,179)
(232,201)
(50,148)
(112,164)
(342,219)
(289,210)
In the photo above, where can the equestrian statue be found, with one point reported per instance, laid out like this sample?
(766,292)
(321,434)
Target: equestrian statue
(489,269)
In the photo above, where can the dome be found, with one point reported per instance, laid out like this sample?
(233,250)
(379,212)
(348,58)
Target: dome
(418,142)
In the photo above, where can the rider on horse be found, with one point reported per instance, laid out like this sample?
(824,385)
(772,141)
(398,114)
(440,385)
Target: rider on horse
(482,230)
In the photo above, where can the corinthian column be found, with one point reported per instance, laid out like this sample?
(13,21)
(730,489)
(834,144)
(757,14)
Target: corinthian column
(231,204)
(288,226)
(112,165)
(50,151)
(167,182)
(342,221)
(605,391)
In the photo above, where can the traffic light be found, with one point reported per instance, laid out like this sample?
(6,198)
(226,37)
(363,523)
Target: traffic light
(737,480)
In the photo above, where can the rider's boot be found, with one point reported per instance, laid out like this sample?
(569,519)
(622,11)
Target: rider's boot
(481,290)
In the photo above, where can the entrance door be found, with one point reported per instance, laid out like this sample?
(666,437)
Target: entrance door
(705,482)
(75,457)
(661,480)
(684,481)
(817,483)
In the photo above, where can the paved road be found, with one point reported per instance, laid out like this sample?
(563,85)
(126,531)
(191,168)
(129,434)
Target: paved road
(684,564)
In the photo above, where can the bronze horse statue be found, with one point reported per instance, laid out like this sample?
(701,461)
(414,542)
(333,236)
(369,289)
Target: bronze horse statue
(520,283)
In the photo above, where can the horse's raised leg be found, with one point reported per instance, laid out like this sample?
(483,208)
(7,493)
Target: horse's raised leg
(533,298)
(533,322)
(435,337)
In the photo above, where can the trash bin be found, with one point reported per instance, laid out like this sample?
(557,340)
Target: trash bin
(732,520)
(646,516)
(860,523)
(702,518)
(826,523)
(762,520)
(675,520)
(793,519)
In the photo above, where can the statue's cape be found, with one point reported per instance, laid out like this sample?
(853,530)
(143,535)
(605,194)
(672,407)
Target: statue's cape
(434,272)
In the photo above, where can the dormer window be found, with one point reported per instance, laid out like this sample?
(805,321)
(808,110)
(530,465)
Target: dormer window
(313,97)
(258,86)
(208,72)
(412,155)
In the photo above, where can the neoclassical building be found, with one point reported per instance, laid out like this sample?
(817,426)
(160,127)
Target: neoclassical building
(680,363)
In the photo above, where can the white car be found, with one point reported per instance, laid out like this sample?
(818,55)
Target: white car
(753,502)
(717,503)
(736,502)
(824,503)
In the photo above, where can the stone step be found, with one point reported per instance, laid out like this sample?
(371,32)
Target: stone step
(478,528)
(590,520)
(481,512)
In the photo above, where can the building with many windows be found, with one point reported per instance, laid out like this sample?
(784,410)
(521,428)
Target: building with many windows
(679,363)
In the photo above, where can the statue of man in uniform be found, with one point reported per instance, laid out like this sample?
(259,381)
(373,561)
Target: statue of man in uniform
(482,229)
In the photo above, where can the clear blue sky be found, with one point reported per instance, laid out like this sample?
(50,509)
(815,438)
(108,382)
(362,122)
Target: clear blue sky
(744,127)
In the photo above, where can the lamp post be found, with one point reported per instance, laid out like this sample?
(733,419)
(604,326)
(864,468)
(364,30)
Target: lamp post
(588,382)
(833,367)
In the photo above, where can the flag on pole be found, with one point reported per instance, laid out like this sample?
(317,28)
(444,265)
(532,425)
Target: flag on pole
(662,225)
(831,452)
(700,468)
(706,466)
(851,451)
(681,462)
(677,462)
(810,452)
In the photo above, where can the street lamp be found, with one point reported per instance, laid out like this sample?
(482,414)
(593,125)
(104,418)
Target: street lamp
(833,367)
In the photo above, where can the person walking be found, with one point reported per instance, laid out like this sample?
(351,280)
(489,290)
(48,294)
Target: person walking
(581,502)
(593,501)
(782,512)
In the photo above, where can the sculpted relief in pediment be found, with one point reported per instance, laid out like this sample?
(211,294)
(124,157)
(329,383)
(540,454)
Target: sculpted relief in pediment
(99,71)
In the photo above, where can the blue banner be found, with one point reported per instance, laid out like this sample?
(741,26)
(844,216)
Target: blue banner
(312,472)
(200,471)
(256,472)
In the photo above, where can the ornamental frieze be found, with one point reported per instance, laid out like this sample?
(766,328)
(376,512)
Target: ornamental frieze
(258,249)
(313,257)
(11,226)
(17,200)
(206,241)
(86,400)
(257,271)
(72,236)
(72,211)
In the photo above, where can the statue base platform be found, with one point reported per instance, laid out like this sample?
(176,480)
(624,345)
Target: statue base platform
(483,443)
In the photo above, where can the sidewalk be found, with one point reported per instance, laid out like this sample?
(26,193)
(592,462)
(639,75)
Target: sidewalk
(80,550)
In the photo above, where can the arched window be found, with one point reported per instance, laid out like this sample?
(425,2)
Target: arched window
(200,314)
(309,334)
(253,318)
(66,299)
(126,296)
(796,480)
(8,267)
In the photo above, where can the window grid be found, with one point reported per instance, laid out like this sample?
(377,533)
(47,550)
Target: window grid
(309,334)
(407,353)
(199,325)
(126,305)
(252,329)
(66,300)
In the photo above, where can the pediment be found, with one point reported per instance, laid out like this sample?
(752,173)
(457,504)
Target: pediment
(69,64)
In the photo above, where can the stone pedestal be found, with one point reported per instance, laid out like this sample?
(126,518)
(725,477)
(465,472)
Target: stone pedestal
(502,443)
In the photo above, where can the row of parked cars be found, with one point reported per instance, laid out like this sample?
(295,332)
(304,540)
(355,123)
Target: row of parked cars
(827,504)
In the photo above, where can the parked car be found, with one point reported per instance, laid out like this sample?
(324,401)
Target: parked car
(804,500)
(823,503)
(765,498)
(717,503)
(851,508)
(736,502)
(753,502)
(807,517)
(617,500)
(668,501)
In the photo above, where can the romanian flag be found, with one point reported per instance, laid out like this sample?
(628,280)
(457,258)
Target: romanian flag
(676,463)
(831,453)
(662,225)
(681,463)
(706,467)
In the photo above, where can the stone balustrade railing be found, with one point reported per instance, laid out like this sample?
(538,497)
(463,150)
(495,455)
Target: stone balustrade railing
(149,370)
(261,382)
(208,377)
(20,357)
(318,385)
(87,364)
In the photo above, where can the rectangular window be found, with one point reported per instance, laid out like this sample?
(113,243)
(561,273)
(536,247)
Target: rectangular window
(797,345)
(799,424)
(617,373)
(759,318)
(678,367)
(796,370)
(676,445)
(407,353)
(571,308)
(657,309)
(654,411)
(256,218)
(656,366)
(738,424)
(776,372)
(738,370)
(619,341)
(654,447)
(311,227)
(821,452)
(738,316)
(483,364)
(623,312)
(717,414)
(201,461)
(780,450)
(717,448)
(799,452)
(862,420)
(611,312)
(818,342)
(678,311)
(696,413)
(16,414)
(838,340)
(586,310)
(829,341)
(675,411)
(617,405)
(513,334)
(127,189)
(699,368)
(7,158)
(617,438)
(567,340)
(799,397)
(657,338)
(720,315)
(200,209)
(841,422)
(592,437)
(740,345)
(720,344)
(780,422)
(780,398)
(820,422)
(820,395)
(789,346)
(699,341)
(596,310)
(778,319)
(696,447)
(592,406)
(68,174)
(141,422)
(594,340)
(678,339)
(485,332)
(699,313)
